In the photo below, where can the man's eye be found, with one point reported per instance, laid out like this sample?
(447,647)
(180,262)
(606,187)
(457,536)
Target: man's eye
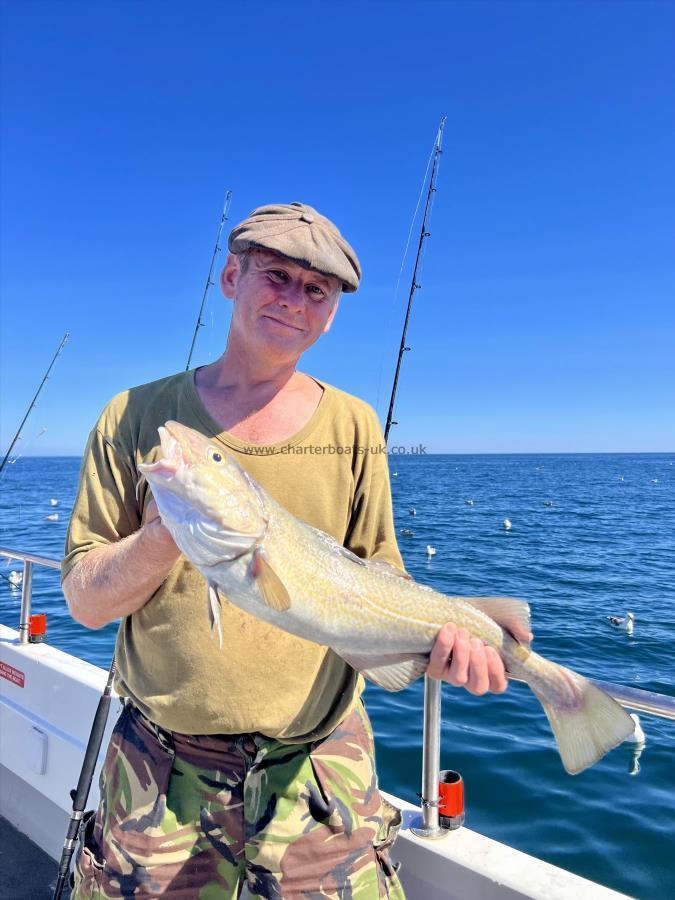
(316,292)
(278,275)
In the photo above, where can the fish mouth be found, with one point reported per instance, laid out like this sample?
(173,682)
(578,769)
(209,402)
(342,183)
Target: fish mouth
(172,458)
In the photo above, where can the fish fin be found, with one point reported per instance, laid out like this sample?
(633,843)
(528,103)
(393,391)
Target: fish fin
(270,585)
(585,733)
(385,568)
(352,557)
(377,565)
(510,613)
(331,544)
(214,611)
(232,544)
(392,672)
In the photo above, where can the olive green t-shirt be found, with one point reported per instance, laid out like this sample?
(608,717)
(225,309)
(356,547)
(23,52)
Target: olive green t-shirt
(332,474)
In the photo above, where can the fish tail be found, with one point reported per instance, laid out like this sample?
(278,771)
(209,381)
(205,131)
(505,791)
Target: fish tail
(586,721)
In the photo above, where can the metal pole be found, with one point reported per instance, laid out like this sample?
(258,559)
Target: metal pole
(431,760)
(648,702)
(644,701)
(26,599)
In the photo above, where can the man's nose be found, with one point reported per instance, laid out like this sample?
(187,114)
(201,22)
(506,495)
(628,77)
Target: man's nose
(293,297)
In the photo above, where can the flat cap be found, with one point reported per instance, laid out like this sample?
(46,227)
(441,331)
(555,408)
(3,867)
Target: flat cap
(303,235)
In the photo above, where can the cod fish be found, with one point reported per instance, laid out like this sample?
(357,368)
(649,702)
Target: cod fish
(255,554)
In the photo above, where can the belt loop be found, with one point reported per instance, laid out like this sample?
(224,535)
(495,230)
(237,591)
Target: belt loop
(166,739)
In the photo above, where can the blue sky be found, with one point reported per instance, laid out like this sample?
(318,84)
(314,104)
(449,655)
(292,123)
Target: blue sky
(546,319)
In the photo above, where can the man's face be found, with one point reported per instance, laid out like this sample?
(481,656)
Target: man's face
(280,308)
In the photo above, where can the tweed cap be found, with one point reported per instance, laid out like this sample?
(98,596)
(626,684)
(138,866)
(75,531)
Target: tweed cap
(303,235)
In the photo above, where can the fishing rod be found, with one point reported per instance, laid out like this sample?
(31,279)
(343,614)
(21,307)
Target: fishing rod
(424,234)
(33,401)
(81,792)
(26,447)
(209,279)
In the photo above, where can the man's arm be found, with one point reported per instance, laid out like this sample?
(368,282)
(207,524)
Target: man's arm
(117,580)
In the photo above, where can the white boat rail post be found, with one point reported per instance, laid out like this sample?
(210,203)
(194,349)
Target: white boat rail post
(431,761)
(26,600)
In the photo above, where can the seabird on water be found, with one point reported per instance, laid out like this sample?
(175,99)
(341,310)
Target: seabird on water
(628,619)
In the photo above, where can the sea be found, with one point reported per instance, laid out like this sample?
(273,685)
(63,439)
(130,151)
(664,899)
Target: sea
(590,536)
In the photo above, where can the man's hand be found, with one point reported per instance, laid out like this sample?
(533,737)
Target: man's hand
(467,662)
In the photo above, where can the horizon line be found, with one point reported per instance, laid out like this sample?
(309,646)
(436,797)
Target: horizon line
(442,453)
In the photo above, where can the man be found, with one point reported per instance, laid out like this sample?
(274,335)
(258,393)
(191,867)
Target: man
(251,764)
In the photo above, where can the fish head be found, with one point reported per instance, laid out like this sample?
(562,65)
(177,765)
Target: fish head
(207,501)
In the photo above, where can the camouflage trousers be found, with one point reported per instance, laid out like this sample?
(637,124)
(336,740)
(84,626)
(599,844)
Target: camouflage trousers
(204,817)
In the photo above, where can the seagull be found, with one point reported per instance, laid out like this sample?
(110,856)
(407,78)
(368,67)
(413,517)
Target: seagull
(54,517)
(617,621)
(15,578)
(507,524)
(408,532)
(639,740)
(469,502)
(394,474)
(412,511)
(548,502)
(431,551)
(638,736)
(655,480)
(53,502)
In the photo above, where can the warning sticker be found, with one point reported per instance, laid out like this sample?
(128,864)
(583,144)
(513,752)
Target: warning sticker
(16,676)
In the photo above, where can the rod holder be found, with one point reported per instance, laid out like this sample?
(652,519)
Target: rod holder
(429,826)
(26,600)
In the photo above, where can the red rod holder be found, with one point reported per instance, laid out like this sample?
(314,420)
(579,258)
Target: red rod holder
(37,628)
(451,799)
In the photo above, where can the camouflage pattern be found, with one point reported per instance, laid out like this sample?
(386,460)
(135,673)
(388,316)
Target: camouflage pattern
(201,817)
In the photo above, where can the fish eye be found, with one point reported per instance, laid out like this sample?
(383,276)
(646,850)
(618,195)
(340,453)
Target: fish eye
(214,455)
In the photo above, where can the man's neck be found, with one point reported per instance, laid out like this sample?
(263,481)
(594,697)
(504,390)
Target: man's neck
(260,402)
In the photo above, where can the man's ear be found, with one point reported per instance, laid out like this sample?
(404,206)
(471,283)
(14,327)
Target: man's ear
(229,276)
(329,321)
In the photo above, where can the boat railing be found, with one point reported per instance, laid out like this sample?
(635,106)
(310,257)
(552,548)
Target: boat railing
(648,702)
(29,560)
